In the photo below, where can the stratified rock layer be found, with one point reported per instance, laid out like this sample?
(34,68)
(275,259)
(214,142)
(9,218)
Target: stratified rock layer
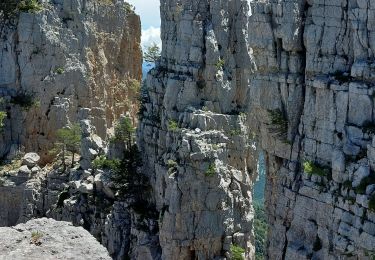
(315,69)
(68,55)
(49,239)
(193,131)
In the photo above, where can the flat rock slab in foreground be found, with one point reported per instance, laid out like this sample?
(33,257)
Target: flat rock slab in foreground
(48,239)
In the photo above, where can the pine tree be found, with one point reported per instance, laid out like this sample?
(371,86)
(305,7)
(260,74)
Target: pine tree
(69,139)
(152,53)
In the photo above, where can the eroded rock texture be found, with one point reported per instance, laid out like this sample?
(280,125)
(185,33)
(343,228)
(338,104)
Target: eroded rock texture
(315,63)
(193,133)
(71,54)
(49,239)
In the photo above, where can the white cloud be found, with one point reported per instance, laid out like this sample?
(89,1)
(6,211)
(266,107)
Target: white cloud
(151,35)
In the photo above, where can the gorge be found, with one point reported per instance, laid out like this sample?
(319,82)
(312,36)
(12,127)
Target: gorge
(292,80)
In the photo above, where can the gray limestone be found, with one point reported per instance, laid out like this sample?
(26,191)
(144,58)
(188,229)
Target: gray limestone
(49,239)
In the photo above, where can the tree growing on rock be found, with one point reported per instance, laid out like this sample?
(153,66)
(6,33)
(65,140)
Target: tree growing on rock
(124,132)
(152,53)
(68,140)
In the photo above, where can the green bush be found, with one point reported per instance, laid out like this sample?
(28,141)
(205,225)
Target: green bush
(36,236)
(361,188)
(129,8)
(173,125)
(59,70)
(30,6)
(3,115)
(237,252)
(102,162)
(211,171)
(25,100)
(8,8)
(314,169)
(172,166)
(220,64)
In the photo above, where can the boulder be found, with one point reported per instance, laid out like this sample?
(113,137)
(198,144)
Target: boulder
(24,171)
(49,239)
(30,159)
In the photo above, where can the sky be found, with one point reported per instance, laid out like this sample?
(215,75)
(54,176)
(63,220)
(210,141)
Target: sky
(150,16)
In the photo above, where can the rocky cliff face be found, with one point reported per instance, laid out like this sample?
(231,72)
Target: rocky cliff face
(63,56)
(312,98)
(193,132)
(293,78)
(301,74)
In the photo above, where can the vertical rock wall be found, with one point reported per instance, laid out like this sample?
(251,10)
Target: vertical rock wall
(193,132)
(71,54)
(315,69)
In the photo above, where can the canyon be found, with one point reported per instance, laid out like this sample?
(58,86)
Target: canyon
(292,80)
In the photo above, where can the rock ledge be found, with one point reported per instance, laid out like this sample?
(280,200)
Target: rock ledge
(49,239)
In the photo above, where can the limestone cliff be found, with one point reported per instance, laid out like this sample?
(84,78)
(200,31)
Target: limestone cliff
(63,55)
(293,78)
(193,131)
(312,98)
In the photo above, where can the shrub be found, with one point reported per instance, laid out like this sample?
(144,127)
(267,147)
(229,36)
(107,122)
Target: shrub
(314,169)
(35,238)
(361,188)
(279,122)
(172,125)
(25,100)
(30,6)
(102,162)
(129,8)
(172,166)
(211,171)
(237,252)
(59,70)
(220,64)
(3,115)
(235,132)
(134,86)
(8,8)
